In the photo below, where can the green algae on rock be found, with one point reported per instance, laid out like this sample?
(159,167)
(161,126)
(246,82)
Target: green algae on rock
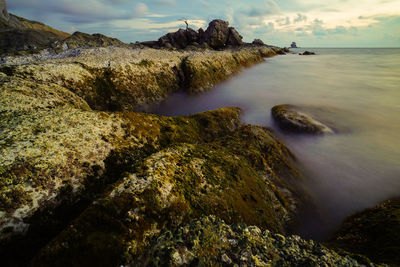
(373,233)
(209,241)
(183,181)
(291,118)
(123,79)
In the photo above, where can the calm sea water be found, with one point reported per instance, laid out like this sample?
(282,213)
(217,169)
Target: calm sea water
(357,90)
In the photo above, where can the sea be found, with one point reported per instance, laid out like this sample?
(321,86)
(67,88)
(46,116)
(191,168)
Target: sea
(357,90)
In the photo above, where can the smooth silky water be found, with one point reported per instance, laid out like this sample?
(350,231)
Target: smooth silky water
(357,90)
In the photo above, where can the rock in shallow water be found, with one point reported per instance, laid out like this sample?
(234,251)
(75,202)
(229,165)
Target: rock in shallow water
(290,118)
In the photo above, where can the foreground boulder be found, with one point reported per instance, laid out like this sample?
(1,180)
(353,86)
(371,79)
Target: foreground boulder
(211,242)
(187,179)
(291,118)
(68,158)
(374,233)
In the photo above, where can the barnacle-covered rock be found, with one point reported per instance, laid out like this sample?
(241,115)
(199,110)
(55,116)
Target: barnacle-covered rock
(209,241)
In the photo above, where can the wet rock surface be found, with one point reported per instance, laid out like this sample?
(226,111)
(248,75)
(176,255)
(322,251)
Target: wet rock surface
(374,232)
(209,241)
(293,119)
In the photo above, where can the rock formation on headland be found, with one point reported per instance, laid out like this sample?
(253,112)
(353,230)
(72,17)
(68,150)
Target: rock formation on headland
(86,181)
(218,35)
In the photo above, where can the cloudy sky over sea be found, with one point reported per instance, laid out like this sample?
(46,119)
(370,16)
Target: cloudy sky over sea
(332,23)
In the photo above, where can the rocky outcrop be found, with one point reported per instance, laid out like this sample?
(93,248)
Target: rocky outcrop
(217,36)
(217,33)
(59,152)
(372,233)
(122,79)
(196,174)
(292,118)
(180,39)
(209,241)
(80,39)
(147,172)
(22,36)
(293,45)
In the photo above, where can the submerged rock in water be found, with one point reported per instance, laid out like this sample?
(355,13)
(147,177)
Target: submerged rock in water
(209,241)
(290,118)
(374,233)
(307,53)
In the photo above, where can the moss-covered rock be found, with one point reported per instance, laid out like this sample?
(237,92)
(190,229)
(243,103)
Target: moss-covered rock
(209,241)
(292,118)
(183,181)
(122,79)
(374,233)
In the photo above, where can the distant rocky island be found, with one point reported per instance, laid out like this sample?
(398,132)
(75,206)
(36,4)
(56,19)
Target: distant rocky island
(293,45)
(87,180)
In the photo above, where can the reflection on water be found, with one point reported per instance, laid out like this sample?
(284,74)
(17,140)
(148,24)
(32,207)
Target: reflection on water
(358,90)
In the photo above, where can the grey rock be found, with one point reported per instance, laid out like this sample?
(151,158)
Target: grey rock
(291,118)
(234,38)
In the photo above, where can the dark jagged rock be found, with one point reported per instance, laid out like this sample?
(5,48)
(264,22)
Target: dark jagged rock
(234,38)
(307,53)
(217,33)
(293,45)
(291,118)
(258,42)
(374,233)
(179,39)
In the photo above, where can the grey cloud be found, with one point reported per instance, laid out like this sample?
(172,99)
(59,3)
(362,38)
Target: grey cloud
(269,7)
(75,10)
(300,18)
(338,30)
(164,2)
(317,28)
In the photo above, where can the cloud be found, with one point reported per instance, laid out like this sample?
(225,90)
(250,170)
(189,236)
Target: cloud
(266,8)
(165,2)
(300,18)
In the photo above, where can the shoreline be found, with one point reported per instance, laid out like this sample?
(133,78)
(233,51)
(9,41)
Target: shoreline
(82,171)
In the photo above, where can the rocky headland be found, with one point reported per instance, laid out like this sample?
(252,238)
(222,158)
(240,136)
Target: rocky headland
(87,180)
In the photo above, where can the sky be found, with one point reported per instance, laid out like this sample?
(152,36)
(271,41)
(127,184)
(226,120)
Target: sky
(309,23)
